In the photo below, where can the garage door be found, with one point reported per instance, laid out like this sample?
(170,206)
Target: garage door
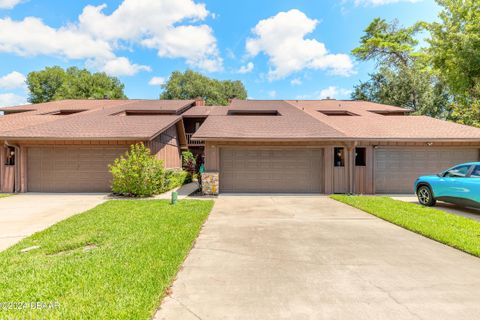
(275,170)
(70,169)
(396,169)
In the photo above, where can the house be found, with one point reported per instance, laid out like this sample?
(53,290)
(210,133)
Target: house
(66,146)
(274,146)
(327,146)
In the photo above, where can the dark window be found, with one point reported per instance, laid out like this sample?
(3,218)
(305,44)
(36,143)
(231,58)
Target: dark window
(63,112)
(458,172)
(476,172)
(10,156)
(144,113)
(337,113)
(253,113)
(339,157)
(360,157)
(390,112)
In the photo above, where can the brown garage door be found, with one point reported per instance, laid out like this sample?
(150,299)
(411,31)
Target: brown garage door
(271,170)
(397,168)
(70,169)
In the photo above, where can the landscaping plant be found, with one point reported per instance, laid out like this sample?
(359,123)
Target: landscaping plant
(138,173)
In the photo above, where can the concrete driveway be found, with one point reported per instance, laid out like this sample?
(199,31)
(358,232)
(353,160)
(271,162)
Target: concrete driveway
(24,214)
(280,257)
(471,213)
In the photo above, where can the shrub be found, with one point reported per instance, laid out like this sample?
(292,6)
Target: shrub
(174,178)
(137,173)
(189,163)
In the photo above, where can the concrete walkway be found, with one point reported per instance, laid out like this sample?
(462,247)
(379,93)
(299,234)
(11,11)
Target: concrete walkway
(281,257)
(471,213)
(24,214)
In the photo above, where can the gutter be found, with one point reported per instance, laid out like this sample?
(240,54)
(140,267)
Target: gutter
(17,166)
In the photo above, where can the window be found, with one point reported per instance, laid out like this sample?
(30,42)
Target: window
(143,113)
(390,112)
(476,172)
(253,113)
(339,157)
(458,172)
(360,157)
(10,156)
(337,113)
(63,112)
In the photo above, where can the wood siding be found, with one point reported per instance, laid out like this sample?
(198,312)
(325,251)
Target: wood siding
(166,147)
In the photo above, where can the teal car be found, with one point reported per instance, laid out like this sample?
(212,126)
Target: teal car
(459,185)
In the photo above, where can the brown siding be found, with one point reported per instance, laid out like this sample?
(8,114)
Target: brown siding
(328,163)
(166,147)
(8,178)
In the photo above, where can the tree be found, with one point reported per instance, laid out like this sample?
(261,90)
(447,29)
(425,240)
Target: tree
(403,77)
(455,53)
(395,88)
(55,83)
(190,85)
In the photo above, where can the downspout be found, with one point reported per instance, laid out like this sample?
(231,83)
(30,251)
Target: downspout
(16,183)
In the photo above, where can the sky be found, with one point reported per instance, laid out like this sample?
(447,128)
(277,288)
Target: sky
(279,49)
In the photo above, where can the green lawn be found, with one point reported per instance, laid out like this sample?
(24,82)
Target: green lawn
(112,262)
(455,231)
(4,195)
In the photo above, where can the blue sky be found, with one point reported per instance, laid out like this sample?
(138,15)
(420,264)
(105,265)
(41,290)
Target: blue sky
(280,49)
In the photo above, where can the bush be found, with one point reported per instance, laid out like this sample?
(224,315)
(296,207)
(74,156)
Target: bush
(138,173)
(174,178)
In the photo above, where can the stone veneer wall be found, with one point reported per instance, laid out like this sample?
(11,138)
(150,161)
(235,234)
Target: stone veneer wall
(210,183)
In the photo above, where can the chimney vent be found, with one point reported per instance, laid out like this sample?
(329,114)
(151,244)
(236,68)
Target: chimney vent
(199,101)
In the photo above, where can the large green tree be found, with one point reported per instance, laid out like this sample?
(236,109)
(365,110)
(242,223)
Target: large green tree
(191,85)
(455,53)
(55,83)
(402,77)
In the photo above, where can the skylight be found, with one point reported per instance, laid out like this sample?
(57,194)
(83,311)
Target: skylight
(337,113)
(253,113)
(389,112)
(63,112)
(144,113)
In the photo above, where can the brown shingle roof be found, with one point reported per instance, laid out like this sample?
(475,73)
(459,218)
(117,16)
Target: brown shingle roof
(200,111)
(97,122)
(290,124)
(371,125)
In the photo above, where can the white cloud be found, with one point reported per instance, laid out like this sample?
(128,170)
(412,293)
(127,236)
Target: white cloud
(296,82)
(380,2)
(9,4)
(246,69)
(282,39)
(11,99)
(157,81)
(158,25)
(272,94)
(31,37)
(333,92)
(13,80)
(121,66)
(168,26)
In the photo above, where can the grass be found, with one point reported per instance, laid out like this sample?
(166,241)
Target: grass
(112,262)
(455,231)
(4,195)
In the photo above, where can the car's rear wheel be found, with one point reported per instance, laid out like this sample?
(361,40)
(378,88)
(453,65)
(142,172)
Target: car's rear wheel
(425,196)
